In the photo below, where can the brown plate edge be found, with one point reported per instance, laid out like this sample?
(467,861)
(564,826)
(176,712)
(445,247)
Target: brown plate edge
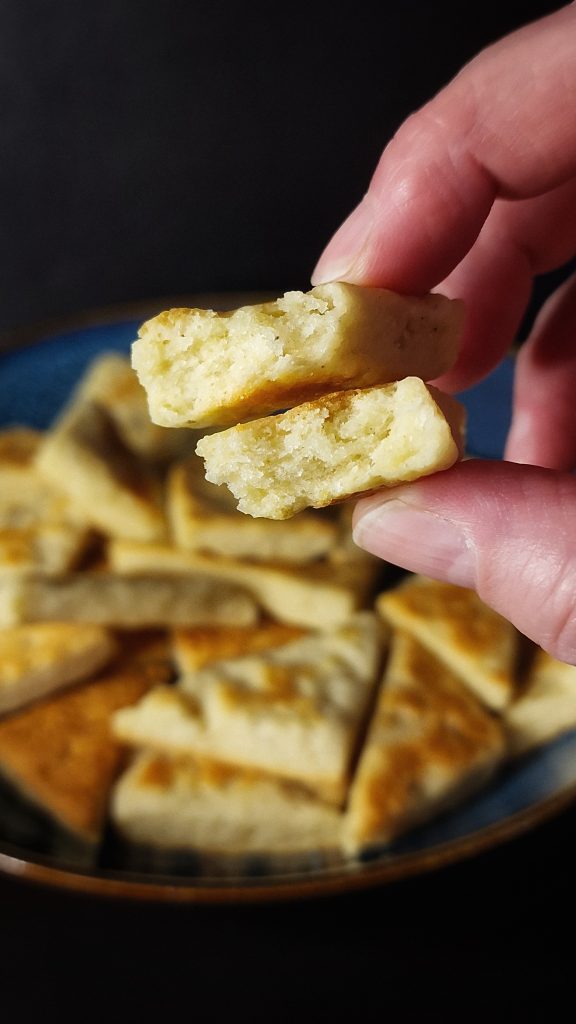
(362,875)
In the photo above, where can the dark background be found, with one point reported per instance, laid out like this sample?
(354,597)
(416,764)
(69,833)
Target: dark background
(155,148)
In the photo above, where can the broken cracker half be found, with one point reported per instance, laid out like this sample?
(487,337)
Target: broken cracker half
(344,444)
(202,368)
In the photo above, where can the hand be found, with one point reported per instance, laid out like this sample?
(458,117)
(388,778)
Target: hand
(474,196)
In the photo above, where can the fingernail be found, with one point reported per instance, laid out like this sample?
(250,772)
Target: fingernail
(345,247)
(416,539)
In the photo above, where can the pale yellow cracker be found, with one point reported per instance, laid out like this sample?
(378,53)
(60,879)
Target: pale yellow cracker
(85,456)
(185,803)
(546,707)
(347,443)
(200,367)
(472,639)
(195,648)
(61,754)
(430,745)
(124,601)
(322,596)
(111,382)
(36,660)
(201,524)
(39,528)
(295,711)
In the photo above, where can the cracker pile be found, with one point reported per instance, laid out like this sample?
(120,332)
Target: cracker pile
(197,680)
(347,363)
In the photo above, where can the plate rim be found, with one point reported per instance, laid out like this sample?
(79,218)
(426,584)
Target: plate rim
(270,889)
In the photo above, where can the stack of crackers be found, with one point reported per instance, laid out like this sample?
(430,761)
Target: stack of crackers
(119,563)
(348,366)
(198,680)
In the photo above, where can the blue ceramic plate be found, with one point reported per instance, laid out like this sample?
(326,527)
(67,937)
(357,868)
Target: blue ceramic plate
(35,381)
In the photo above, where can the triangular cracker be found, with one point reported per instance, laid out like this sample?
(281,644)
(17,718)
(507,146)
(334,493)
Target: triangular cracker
(472,639)
(195,804)
(202,524)
(37,660)
(195,648)
(39,528)
(546,707)
(295,711)
(430,744)
(124,601)
(111,382)
(61,753)
(84,455)
(321,597)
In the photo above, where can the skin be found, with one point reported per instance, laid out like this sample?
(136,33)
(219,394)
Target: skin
(474,196)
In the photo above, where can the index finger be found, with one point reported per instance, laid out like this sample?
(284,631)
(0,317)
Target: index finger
(505,126)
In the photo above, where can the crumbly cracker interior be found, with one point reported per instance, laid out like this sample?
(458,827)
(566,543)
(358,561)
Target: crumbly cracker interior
(326,450)
(229,352)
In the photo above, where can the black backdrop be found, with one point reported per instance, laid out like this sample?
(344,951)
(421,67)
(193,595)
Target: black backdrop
(163,147)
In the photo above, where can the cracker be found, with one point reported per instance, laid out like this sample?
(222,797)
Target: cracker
(195,648)
(38,659)
(85,456)
(124,601)
(323,596)
(186,803)
(343,444)
(295,711)
(546,707)
(454,623)
(39,527)
(203,368)
(201,524)
(430,745)
(60,753)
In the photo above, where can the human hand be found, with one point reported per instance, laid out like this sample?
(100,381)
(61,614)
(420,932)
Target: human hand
(474,196)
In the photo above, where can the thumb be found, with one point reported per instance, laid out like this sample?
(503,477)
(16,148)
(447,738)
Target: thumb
(506,530)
